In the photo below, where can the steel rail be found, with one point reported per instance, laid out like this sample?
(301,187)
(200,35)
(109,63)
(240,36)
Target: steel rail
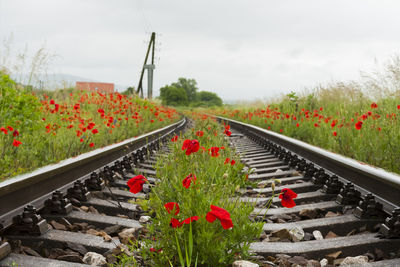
(384,185)
(35,187)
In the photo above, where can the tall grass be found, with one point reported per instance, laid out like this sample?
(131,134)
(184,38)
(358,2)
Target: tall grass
(37,129)
(358,119)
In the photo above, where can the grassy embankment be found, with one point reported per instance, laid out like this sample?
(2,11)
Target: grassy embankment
(37,130)
(357,119)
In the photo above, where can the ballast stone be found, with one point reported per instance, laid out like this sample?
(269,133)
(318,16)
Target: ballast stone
(128,234)
(296,234)
(355,261)
(144,219)
(323,262)
(243,263)
(317,235)
(93,258)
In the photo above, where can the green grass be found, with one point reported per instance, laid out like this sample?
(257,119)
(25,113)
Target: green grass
(330,123)
(51,130)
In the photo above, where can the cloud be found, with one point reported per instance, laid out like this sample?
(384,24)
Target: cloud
(239,49)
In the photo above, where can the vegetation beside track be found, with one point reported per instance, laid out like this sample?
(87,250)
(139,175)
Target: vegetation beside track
(37,130)
(366,131)
(358,119)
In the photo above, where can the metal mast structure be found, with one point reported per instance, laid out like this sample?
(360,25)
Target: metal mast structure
(149,67)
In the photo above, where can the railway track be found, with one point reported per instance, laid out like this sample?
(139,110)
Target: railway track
(56,215)
(344,209)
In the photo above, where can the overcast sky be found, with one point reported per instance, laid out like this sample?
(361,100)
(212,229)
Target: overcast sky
(244,49)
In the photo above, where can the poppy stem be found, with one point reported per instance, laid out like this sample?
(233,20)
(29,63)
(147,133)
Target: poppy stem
(268,204)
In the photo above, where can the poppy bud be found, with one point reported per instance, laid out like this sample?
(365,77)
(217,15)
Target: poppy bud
(273,186)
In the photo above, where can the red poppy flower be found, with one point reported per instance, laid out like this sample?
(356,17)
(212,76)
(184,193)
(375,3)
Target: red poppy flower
(200,133)
(10,128)
(227,132)
(334,133)
(16,143)
(358,125)
(214,151)
(227,160)
(95,131)
(91,125)
(398,106)
(190,219)
(233,162)
(91,144)
(287,196)
(100,110)
(52,102)
(172,206)
(4,130)
(297,125)
(188,180)
(155,250)
(135,184)
(222,215)
(374,105)
(81,140)
(15,133)
(174,139)
(191,146)
(175,223)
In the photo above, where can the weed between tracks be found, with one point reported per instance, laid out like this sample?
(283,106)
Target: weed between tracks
(186,236)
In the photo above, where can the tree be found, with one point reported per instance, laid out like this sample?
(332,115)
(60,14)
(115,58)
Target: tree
(129,91)
(209,98)
(190,87)
(174,96)
(184,92)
